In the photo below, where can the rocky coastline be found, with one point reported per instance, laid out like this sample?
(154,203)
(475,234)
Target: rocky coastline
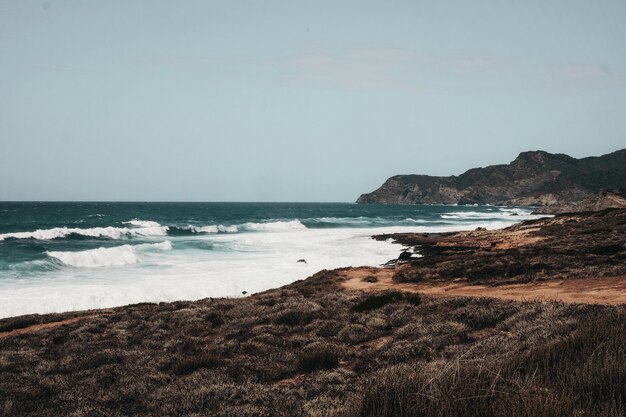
(321,347)
(575,245)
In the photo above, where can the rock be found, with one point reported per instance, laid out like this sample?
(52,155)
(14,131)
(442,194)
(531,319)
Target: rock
(533,179)
(575,245)
(597,202)
(404,256)
(390,264)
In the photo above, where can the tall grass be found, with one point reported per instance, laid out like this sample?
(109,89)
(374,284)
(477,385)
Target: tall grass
(581,375)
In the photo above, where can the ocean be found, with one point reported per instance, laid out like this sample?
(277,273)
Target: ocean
(74,256)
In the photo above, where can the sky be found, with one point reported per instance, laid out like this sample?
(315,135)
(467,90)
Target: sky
(150,100)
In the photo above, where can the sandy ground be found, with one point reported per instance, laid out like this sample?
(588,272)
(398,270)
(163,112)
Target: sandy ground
(604,290)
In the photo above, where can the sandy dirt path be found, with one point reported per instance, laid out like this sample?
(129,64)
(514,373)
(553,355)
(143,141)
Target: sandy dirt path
(50,325)
(604,290)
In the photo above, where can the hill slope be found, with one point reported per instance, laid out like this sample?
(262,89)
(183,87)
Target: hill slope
(534,178)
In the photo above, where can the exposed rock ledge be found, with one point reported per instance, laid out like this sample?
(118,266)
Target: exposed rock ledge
(597,202)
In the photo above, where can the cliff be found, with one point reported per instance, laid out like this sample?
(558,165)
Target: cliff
(534,178)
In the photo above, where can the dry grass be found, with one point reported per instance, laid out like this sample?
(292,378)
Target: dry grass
(376,301)
(303,351)
(583,374)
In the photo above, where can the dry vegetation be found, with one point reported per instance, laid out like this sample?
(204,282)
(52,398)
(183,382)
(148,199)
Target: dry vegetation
(567,246)
(313,349)
(307,350)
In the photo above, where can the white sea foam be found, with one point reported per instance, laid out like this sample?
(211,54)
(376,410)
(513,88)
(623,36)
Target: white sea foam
(346,220)
(409,219)
(99,232)
(264,258)
(274,226)
(142,223)
(100,257)
(214,229)
(513,214)
(249,227)
(93,258)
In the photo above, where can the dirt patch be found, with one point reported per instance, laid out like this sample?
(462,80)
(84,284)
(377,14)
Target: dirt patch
(43,326)
(604,290)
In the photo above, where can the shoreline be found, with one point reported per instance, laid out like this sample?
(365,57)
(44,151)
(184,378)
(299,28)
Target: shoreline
(65,290)
(589,289)
(314,348)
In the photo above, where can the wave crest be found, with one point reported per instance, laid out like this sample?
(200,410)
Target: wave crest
(247,227)
(214,229)
(274,226)
(476,215)
(142,223)
(115,256)
(109,232)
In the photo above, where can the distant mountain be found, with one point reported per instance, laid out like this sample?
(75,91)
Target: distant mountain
(535,178)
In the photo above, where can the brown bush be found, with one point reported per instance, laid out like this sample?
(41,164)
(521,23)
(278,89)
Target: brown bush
(293,318)
(318,356)
(376,301)
(188,364)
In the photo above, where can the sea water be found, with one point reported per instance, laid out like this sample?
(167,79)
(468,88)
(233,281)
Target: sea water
(73,256)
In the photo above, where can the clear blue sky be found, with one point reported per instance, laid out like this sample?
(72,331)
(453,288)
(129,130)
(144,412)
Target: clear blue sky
(296,101)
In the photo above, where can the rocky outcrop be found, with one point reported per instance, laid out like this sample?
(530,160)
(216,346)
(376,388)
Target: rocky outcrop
(579,245)
(597,202)
(534,178)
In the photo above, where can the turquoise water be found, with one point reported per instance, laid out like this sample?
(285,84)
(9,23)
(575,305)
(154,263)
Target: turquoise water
(65,256)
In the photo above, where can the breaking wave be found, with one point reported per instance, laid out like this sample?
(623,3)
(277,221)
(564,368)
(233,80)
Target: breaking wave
(244,227)
(362,221)
(142,223)
(512,214)
(274,226)
(115,256)
(213,229)
(110,232)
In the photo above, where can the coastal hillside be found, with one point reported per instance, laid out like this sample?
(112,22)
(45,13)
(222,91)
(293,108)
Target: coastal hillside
(535,178)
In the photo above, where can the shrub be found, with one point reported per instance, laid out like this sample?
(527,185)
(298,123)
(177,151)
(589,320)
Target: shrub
(354,333)
(94,360)
(215,319)
(328,328)
(318,356)
(376,301)
(18,323)
(188,364)
(480,316)
(370,278)
(293,318)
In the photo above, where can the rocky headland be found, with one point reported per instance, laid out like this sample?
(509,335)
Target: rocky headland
(537,178)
